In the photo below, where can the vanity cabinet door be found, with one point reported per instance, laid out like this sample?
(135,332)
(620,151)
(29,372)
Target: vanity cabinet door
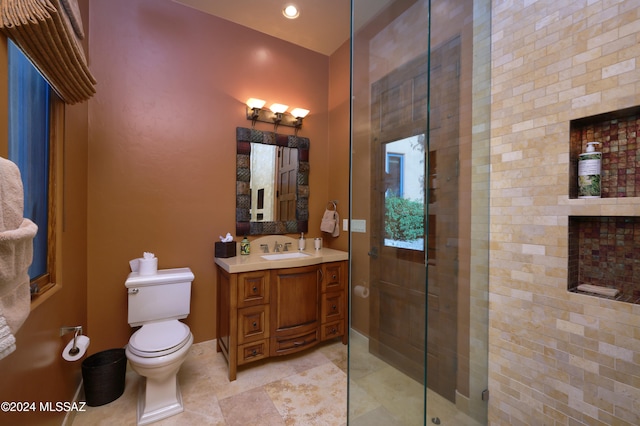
(334,276)
(332,329)
(253,351)
(333,306)
(295,309)
(253,323)
(253,288)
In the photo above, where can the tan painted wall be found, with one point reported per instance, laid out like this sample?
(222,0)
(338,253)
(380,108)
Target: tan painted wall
(172,87)
(339,119)
(555,357)
(36,372)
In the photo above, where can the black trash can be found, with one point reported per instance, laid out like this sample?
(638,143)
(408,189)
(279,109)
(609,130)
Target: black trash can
(103,375)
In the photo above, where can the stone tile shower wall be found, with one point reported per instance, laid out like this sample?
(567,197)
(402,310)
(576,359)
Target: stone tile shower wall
(557,357)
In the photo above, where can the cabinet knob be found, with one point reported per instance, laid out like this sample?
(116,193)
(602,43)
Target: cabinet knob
(334,330)
(254,352)
(334,276)
(334,307)
(254,289)
(255,324)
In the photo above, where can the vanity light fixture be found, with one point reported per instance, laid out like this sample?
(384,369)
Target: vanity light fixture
(291,12)
(299,114)
(255,105)
(276,114)
(278,110)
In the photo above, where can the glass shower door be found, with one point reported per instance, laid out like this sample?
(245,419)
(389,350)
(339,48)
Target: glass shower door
(419,183)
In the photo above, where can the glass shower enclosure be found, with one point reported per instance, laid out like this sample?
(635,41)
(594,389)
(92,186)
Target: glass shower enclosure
(419,212)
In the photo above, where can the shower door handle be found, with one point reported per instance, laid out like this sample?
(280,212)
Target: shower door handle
(373,253)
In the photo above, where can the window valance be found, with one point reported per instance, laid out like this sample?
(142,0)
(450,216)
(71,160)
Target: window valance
(49,34)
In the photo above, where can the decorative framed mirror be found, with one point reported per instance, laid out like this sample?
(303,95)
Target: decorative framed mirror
(272,183)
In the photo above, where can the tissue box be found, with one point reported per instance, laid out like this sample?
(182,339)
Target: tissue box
(225,249)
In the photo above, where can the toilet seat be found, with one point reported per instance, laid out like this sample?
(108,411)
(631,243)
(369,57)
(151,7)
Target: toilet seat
(159,338)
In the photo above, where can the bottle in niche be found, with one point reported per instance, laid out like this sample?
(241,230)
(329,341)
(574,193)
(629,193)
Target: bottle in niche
(589,168)
(245,246)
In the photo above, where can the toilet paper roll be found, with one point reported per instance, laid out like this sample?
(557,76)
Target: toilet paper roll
(82,343)
(148,266)
(361,291)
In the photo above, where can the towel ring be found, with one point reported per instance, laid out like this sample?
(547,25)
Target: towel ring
(334,204)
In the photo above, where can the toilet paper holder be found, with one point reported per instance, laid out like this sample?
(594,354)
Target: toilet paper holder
(77,330)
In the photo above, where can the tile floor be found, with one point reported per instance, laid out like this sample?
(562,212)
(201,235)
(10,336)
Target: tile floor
(309,388)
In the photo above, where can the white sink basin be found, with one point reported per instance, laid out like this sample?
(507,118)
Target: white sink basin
(281,256)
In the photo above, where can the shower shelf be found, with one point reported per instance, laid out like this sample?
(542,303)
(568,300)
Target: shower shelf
(618,133)
(601,246)
(602,252)
(618,298)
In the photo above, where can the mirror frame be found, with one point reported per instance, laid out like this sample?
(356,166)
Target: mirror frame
(244,226)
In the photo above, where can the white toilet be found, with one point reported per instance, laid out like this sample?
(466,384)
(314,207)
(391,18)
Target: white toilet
(157,350)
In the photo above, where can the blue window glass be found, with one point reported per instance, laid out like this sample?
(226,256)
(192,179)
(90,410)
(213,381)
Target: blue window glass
(29,146)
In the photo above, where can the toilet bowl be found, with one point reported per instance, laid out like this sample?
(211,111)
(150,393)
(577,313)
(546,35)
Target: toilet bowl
(156,352)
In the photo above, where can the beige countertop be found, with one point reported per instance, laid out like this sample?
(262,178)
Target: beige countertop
(256,262)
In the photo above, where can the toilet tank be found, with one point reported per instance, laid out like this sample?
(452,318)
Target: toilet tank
(163,296)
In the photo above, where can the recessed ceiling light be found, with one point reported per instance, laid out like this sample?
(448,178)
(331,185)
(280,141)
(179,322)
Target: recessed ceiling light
(291,12)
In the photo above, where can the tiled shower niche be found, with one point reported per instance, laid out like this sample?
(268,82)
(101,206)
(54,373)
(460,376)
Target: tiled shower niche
(604,251)
(617,133)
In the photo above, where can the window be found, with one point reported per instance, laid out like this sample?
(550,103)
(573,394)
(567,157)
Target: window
(29,148)
(395,169)
(404,193)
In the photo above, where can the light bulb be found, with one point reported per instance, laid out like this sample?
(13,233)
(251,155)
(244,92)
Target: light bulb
(291,12)
(278,108)
(299,112)
(255,103)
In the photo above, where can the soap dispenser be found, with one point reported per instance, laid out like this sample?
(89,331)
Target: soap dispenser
(245,246)
(302,242)
(589,168)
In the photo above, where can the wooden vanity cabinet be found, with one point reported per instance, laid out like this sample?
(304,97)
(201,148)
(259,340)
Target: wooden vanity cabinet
(279,311)
(295,313)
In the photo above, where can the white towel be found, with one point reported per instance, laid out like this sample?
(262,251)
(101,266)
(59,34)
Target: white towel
(16,252)
(7,340)
(330,222)
(11,196)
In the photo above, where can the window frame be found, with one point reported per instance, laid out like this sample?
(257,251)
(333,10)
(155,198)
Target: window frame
(400,178)
(47,281)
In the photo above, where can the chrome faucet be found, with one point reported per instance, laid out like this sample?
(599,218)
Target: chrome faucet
(286,246)
(265,248)
(276,247)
